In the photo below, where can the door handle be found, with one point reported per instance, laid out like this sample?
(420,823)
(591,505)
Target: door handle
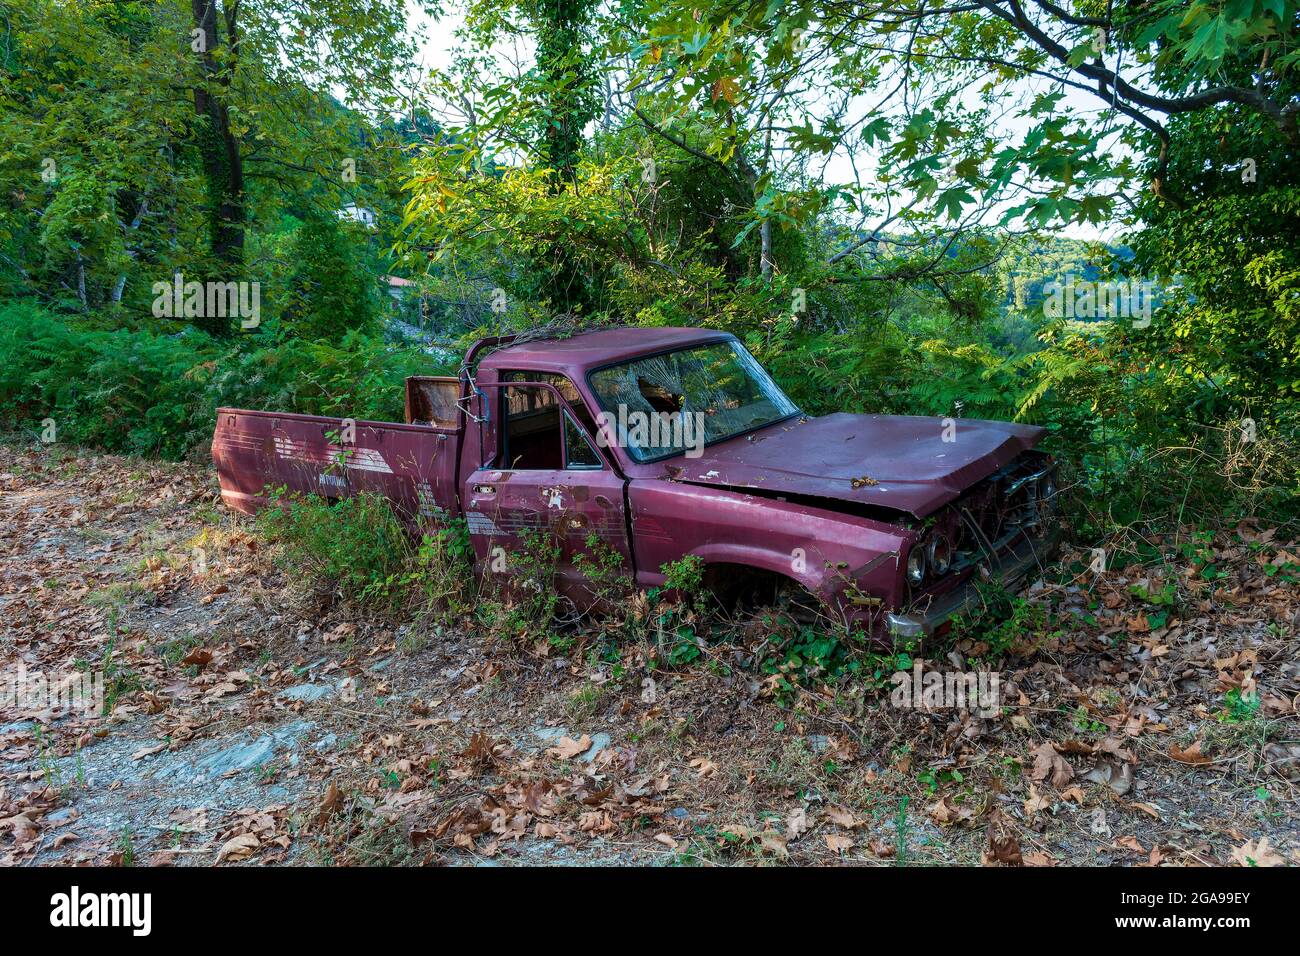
(485,489)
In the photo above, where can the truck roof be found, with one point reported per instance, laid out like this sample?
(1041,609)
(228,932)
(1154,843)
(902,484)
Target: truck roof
(578,355)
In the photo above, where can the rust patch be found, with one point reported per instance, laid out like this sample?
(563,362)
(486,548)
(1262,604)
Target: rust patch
(604,502)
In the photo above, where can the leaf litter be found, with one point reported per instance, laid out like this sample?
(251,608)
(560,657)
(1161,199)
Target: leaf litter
(1153,722)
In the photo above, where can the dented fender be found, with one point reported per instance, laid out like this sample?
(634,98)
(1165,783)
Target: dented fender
(826,552)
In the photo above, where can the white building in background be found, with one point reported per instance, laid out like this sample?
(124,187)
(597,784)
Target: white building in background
(358,214)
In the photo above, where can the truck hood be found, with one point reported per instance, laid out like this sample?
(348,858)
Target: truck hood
(900,462)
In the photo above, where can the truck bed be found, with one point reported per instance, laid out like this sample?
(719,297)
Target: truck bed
(414,465)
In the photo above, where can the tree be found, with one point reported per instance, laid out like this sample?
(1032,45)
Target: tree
(924,87)
(197,116)
(247,55)
(568,106)
(330,291)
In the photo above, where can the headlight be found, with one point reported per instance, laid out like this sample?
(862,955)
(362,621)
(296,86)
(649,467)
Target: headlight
(940,554)
(916,564)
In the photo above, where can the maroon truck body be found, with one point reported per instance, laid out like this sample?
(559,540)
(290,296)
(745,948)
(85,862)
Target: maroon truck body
(847,506)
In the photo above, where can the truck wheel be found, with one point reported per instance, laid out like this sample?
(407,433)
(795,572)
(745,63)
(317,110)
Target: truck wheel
(741,590)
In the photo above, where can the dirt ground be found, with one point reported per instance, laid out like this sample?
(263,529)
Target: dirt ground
(1148,715)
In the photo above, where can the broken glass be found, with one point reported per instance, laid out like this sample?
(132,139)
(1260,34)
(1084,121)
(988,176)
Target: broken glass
(677,402)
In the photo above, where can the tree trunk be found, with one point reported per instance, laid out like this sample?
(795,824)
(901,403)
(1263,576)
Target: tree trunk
(222,160)
(81,282)
(561,26)
(750,175)
(120,284)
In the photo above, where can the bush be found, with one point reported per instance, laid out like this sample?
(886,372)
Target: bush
(119,390)
(156,393)
(357,551)
(354,550)
(330,293)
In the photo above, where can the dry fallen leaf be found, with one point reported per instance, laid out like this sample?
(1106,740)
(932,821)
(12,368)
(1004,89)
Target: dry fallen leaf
(1148,809)
(329,804)
(774,843)
(24,829)
(881,849)
(1037,801)
(946,812)
(841,817)
(1257,853)
(1050,765)
(1003,848)
(239,848)
(839,844)
(1190,755)
(1113,773)
(568,748)
(1131,843)
(796,823)
(704,767)
(1098,823)
(200,657)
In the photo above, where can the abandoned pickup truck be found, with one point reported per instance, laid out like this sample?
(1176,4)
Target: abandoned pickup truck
(669,442)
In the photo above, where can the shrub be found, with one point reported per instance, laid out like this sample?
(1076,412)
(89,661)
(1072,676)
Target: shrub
(330,293)
(354,550)
(444,576)
(156,393)
(358,551)
(119,390)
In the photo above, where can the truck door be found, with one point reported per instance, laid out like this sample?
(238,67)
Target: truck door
(547,481)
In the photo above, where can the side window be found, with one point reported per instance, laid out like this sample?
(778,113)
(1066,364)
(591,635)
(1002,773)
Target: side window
(578,451)
(538,434)
(533,438)
(562,385)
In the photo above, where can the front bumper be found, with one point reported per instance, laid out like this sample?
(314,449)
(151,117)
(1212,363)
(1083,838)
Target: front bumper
(1009,567)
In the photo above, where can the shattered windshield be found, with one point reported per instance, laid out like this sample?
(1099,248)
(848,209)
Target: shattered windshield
(680,401)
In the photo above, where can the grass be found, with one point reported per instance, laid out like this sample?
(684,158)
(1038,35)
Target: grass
(119,681)
(178,648)
(114,596)
(356,551)
(357,835)
(585,702)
